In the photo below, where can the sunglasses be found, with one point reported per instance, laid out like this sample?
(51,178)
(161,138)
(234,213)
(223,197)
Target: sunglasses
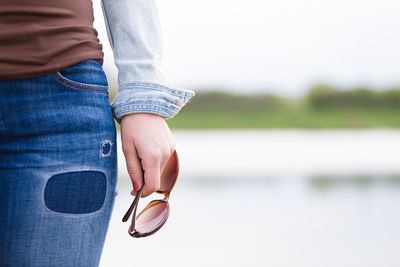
(155,214)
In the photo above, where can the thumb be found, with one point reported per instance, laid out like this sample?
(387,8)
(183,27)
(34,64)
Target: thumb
(135,169)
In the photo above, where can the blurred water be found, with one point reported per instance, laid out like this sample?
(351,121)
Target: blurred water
(273,198)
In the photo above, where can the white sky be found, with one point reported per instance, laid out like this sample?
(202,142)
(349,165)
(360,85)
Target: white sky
(281,46)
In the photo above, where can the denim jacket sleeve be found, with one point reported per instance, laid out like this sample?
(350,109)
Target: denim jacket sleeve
(133,30)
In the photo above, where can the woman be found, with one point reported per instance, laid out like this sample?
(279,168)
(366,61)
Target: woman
(58,165)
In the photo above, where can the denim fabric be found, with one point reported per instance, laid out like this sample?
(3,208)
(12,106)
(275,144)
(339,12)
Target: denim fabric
(58,168)
(134,33)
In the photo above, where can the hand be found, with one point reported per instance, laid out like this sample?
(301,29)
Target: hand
(147,143)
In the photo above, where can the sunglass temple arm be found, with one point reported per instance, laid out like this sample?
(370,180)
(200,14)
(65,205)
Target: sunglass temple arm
(133,208)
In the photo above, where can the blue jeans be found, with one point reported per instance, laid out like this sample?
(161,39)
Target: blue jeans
(58,168)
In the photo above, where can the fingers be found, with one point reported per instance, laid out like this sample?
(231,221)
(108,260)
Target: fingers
(152,170)
(153,163)
(145,170)
(147,143)
(134,167)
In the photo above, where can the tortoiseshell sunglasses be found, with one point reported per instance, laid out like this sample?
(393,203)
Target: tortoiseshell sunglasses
(155,214)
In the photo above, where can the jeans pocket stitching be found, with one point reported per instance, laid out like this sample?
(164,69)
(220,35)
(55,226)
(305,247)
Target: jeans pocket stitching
(74,85)
(61,76)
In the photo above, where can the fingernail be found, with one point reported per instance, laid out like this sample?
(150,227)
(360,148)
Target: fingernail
(135,186)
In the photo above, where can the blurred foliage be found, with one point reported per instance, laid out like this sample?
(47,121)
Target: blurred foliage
(223,102)
(324,96)
(323,107)
(324,182)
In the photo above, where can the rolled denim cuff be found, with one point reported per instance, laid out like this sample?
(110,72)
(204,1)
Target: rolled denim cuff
(149,97)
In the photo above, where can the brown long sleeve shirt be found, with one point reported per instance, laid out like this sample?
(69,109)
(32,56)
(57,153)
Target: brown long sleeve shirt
(43,36)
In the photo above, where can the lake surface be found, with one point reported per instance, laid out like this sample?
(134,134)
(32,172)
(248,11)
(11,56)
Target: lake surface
(273,198)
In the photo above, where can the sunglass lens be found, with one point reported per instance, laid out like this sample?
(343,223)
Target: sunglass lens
(169,173)
(152,217)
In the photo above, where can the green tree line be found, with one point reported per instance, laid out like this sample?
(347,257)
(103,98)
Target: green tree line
(322,107)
